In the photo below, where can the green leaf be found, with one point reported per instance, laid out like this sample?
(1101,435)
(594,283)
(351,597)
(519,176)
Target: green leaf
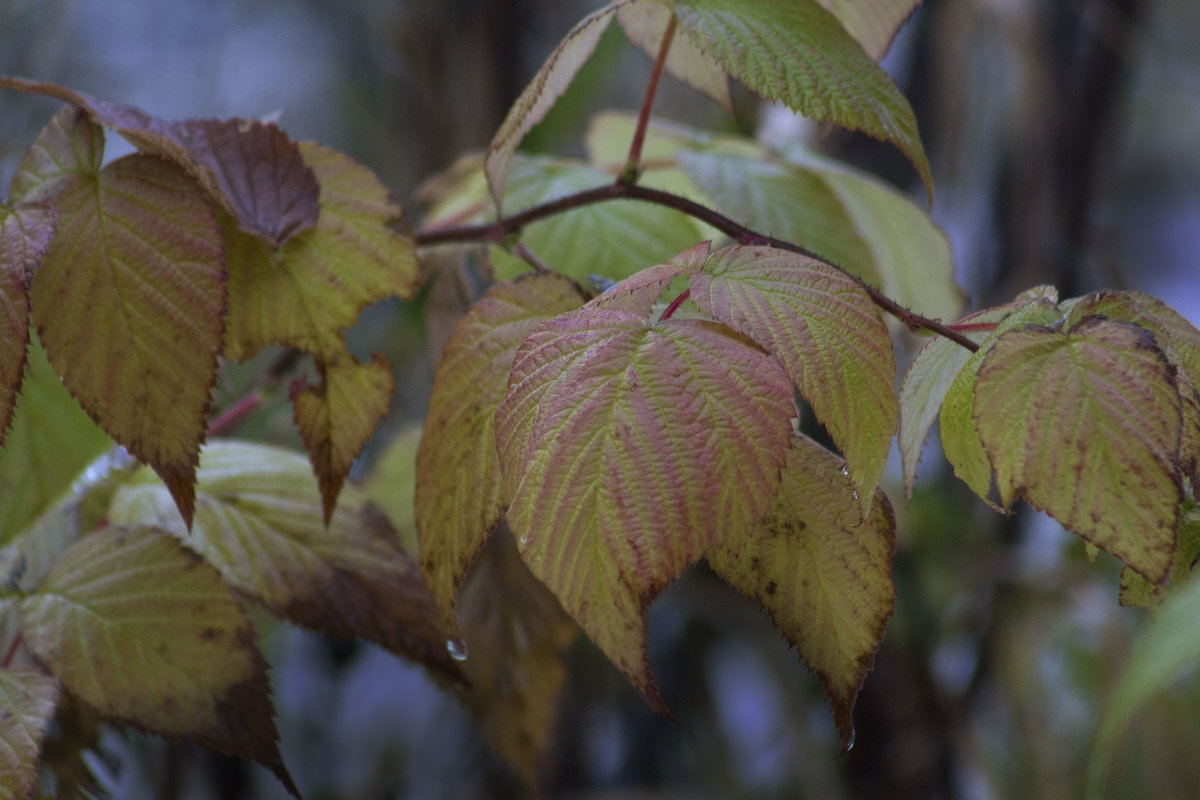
(1169,644)
(827,333)
(138,258)
(821,571)
(390,485)
(635,234)
(872,23)
(799,54)
(1084,423)
(933,371)
(337,416)
(848,219)
(252,169)
(27,702)
(259,521)
(25,234)
(960,441)
(626,450)
(541,94)
(1137,591)
(146,633)
(458,489)
(50,443)
(645,23)
(306,292)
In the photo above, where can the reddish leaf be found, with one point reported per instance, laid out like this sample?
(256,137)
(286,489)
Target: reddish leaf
(337,417)
(1084,423)
(251,168)
(827,333)
(821,571)
(138,259)
(626,450)
(27,702)
(25,234)
(458,494)
(638,293)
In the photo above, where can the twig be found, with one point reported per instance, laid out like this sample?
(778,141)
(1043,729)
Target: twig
(633,163)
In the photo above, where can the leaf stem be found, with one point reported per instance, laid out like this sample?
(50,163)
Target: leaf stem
(633,164)
(494,232)
(675,304)
(235,413)
(12,650)
(530,257)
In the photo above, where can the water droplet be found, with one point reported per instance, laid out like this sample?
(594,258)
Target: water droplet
(523,540)
(849,742)
(844,470)
(457,649)
(855,493)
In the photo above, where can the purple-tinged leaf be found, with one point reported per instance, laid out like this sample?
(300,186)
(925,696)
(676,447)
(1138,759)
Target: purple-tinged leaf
(638,294)
(25,234)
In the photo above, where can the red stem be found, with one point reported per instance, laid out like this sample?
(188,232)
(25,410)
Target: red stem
(494,232)
(633,163)
(12,651)
(676,303)
(237,412)
(530,258)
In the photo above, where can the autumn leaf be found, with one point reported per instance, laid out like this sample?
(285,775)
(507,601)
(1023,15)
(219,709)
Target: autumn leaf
(25,234)
(27,701)
(252,169)
(138,258)
(827,333)
(148,634)
(638,294)
(1084,423)
(797,53)
(1137,591)
(821,571)
(458,487)
(259,521)
(626,450)
(514,636)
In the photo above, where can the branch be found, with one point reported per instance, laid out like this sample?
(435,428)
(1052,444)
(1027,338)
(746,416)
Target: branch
(495,232)
(633,164)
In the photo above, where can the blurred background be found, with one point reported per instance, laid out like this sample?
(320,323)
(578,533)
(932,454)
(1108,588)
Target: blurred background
(1064,140)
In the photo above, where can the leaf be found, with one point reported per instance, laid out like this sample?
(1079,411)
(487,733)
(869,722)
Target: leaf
(635,234)
(252,169)
(930,376)
(960,440)
(458,488)
(390,485)
(644,24)
(799,54)
(337,417)
(146,633)
(1084,423)
(304,293)
(515,634)
(1137,591)
(821,571)
(25,233)
(138,259)
(27,702)
(259,521)
(827,333)
(1170,643)
(851,220)
(638,294)
(68,145)
(541,94)
(626,450)
(872,23)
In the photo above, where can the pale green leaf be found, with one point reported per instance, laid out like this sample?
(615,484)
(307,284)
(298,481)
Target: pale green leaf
(851,220)
(541,94)
(25,234)
(960,441)
(1169,644)
(799,54)
(458,490)
(337,416)
(872,23)
(626,450)
(1084,423)
(146,633)
(27,701)
(259,521)
(827,333)
(307,291)
(391,483)
(252,169)
(644,24)
(635,234)
(821,571)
